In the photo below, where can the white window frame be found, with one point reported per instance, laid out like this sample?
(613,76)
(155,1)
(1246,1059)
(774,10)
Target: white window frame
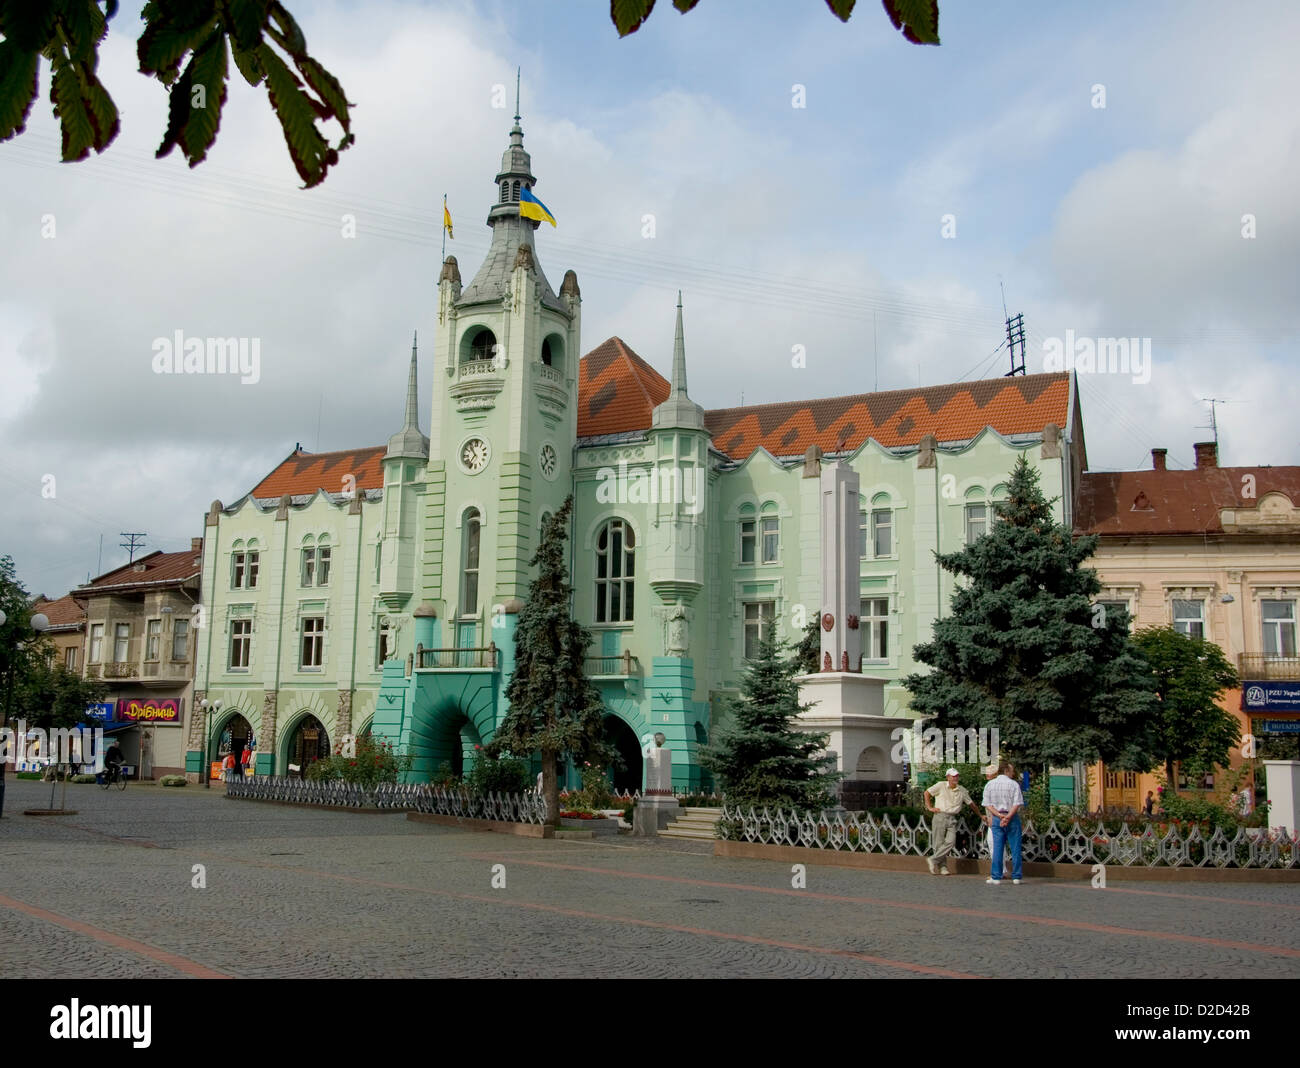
(876,527)
(970,519)
(70,658)
(748,529)
(1178,621)
(873,625)
(96,643)
(764,533)
(1279,628)
(755,622)
(314,635)
(242,640)
(152,639)
(119,640)
(620,573)
(181,633)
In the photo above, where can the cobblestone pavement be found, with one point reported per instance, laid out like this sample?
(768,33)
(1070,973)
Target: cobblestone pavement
(304,892)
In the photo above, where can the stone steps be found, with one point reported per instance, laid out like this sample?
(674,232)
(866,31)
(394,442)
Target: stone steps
(693,823)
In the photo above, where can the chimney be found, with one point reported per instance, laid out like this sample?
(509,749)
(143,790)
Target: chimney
(196,545)
(1207,454)
(1158,459)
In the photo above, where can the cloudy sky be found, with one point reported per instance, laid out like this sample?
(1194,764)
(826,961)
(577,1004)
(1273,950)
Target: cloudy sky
(874,226)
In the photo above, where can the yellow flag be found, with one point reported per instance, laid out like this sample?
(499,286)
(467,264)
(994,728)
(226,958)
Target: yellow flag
(446,221)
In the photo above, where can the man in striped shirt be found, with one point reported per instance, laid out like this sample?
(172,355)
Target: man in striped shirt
(1003,802)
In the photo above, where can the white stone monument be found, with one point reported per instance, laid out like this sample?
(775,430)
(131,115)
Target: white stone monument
(657,806)
(847,705)
(1282,778)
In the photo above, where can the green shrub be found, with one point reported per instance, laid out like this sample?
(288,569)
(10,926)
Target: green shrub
(374,761)
(83,778)
(173,780)
(500,775)
(595,793)
(27,775)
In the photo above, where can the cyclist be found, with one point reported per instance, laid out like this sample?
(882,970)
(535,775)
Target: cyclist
(113,761)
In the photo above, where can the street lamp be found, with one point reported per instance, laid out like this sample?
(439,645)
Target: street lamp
(209,707)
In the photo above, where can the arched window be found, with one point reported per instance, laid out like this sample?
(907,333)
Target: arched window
(614,572)
(514,190)
(505,192)
(470,530)
(484,345)
(546,352)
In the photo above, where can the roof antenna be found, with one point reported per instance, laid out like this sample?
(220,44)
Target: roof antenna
(517,70)
(1214,423)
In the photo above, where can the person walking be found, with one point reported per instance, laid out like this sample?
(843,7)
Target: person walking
(1003,800)
(948,799)
(1149,805)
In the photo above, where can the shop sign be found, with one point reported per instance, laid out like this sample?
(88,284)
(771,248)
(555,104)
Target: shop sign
(1270,697)
(1276,726)
(149,709)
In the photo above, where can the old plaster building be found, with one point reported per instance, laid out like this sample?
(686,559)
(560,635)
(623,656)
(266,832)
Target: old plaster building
(377,589)
(1215,552)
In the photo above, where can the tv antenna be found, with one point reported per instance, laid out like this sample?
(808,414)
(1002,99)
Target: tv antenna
(1213,424)
(133,542)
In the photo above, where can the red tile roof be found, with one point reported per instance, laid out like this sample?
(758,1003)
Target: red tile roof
(1173,502)
(1020,405)
(617,390)
(152,568)
(301,473)
(65,612)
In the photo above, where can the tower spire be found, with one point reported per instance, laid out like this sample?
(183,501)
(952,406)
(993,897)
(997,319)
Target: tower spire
(409,441)
(678,410)
(517,72)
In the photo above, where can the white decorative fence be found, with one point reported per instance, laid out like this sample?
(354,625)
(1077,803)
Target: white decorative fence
(1148,846)
(510,808)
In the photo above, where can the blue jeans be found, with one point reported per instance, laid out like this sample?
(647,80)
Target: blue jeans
(1008,836)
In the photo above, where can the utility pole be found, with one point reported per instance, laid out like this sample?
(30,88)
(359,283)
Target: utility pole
(133,542)
(1016,344)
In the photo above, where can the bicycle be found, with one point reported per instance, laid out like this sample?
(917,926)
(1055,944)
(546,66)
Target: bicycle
(113,775)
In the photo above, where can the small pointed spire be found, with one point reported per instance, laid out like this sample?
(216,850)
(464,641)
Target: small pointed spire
(678,410)
(517,73)
(679,351)
(409,441)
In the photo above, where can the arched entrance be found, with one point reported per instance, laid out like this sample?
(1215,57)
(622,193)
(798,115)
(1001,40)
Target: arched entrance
(626,770)
(234,735)
(308,743)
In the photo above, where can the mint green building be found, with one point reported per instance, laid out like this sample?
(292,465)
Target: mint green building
(378,589)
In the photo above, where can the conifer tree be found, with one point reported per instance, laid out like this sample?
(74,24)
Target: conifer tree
(554,707)
(1025,650)
(760,756)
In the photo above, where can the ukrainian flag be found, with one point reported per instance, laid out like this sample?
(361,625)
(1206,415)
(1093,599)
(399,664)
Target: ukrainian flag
(532,208)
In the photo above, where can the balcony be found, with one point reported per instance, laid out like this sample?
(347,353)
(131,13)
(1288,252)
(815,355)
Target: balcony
(1264,668)
(612,667)
(476,659)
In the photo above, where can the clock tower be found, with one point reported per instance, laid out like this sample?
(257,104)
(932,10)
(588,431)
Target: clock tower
(504,418)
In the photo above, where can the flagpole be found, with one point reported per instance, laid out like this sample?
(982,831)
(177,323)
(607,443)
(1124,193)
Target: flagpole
(444,227)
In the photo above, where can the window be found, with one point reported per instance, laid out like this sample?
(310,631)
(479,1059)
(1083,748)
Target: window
(96,642)
(308,566)
(379,553)
(1189,618)
(322,565)
(70,658)
(243,570)
(313,642)
(615,568)
(1204,782)
(180,638)
(771,540)
(1111,610)
(385,646)
(748,540)
(882,532)
(471,535)
(546,352)
(874,622)
(977,522)
(121,643)
(863,532)
(153,639)
(1279,628)
(241,640)
(759,617)
(483,346)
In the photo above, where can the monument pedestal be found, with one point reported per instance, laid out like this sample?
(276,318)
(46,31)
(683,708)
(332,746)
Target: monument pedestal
(1282,780)
(850,708)
(652,814)
(657,806)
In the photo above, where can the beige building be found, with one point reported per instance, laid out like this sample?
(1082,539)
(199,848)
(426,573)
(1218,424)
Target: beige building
(139,639)
(67,629)
(1215,551)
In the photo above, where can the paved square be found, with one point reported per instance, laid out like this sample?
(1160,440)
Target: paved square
(306,893)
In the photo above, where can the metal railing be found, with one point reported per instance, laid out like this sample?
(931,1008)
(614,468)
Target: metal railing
(478,657)
(1148,846)
(621,666)
(397,797)
(1263,667)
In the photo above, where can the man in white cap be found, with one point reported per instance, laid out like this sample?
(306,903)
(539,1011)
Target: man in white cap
(945,800)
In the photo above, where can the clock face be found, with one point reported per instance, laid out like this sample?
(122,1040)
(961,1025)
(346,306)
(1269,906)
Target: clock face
(474,455)
(547,460)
